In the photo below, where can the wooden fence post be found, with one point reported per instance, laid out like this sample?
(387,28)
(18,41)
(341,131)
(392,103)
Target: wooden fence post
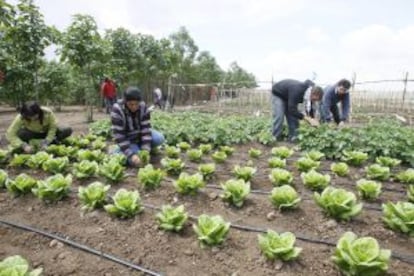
(405,90)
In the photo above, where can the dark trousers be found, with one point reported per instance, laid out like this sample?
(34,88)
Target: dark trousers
(335,113)
(27,135)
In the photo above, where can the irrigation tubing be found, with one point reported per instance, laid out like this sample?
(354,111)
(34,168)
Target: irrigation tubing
(80,246)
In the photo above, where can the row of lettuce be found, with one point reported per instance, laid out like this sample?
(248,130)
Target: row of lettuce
(385,137)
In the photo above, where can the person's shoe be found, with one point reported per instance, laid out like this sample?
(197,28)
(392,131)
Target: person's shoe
(293,140)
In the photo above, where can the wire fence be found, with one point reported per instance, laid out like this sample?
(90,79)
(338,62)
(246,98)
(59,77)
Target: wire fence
(369,98)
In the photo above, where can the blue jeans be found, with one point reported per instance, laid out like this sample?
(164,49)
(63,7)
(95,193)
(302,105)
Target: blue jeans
(109,102)
(280,110)
(157,139)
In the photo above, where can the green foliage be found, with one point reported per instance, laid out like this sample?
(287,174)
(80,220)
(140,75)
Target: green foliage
(172,152)
(126,204)
(172,166)
(305,164)
(17,266)
(189,184)
(93,196)
(338,203)
(399,216)
(246,173)
(227,150)
(22,184)
(406,176)
(354,158)
(101,128)
(149,177)
(410,193)
(172,219)
(194,155)
(211,230)
(276,162)
(282,152)
(235,191)
(219,156)
(386,161)
(315,181)
(314,155)
(55,165)
(91,155)
(4,155)
(85,169)
(19,160)
(54,188)
(279,246)
(280,177)
(255,153)
(184,146)
(207,170)
(284,197)
(368,189)
(340,168)
(3,178)
(378,172)
(36,161)
(112,171)
(144,156)
(360,256)
(205,148)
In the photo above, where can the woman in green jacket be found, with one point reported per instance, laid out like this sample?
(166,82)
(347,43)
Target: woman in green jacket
(35,122)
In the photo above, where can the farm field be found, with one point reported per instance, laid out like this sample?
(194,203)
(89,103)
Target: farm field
(140,241)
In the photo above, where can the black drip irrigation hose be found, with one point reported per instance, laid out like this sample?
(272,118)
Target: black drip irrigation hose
(399,256)
(81,247)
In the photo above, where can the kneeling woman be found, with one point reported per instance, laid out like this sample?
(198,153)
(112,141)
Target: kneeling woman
(35,122)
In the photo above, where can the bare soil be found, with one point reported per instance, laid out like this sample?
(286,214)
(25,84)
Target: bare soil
(138,240)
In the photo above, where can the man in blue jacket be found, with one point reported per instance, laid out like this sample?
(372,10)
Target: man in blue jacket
(286,95)
(334,94)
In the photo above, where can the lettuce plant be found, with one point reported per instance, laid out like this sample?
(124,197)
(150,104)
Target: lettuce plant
(340,168)
(205,148)
(149,177)
(17,266)
(91,155)
(410,193)
(211,230)
(19,160)
(118,158)
(172,166)
(126,204)
(189,184)
(246,173)
(399,216)
(280,177)
(284,197)
(144,156)
(338,203)
(368,189)
(386,161)
(406,176)
(360,256)
(276,162)
(305,164)
(219,156)
(98,144)
(279,246)
(378,172)
(54,188)
(3,178)
(172,219)
(22,184)
(255,153)
(93,196)
(112,171)
(55,165)
(315,155)
(282,152)
(36,160)
(183,146)
(207,170)
(62,150)
(315,181)
(85,169)
(194,155)
(354,158)
(227,150)
(235,191)
(172,152)
(4,154)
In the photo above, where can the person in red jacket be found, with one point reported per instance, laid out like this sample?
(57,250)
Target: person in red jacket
(108,92)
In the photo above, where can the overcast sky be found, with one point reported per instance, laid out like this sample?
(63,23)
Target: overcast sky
(279,38)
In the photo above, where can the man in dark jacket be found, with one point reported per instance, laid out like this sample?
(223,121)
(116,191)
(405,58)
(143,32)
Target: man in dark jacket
(334,94)
(286,95)
(131,126)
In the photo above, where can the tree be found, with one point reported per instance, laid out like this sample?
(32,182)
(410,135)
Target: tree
(84,49)
(238,77)
(24,39)
(206,69)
